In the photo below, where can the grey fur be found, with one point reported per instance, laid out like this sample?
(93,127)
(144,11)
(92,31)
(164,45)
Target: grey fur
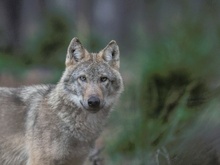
(53,124)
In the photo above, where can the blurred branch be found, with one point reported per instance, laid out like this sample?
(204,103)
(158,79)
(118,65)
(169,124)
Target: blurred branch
(163,152)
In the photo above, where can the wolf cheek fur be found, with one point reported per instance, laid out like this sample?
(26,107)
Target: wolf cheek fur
(58,124)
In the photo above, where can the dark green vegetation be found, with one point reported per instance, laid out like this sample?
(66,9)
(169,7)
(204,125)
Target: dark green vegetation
(170,98)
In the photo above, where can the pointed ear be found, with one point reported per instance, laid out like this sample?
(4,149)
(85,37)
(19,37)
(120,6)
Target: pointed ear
(111,54)
(75,52)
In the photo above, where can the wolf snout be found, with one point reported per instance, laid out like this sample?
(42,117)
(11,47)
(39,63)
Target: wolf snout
(94,102)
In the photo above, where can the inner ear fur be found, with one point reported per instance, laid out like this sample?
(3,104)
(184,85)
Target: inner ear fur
(75,52)
(111,54)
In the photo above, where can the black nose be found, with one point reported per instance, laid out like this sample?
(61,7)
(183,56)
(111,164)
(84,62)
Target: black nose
(94,102)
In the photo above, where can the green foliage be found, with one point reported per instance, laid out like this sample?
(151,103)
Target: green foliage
(172,92)
(12,63)
(49,46)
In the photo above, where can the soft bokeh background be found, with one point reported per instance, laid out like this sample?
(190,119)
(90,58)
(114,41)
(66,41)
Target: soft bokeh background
(169,111)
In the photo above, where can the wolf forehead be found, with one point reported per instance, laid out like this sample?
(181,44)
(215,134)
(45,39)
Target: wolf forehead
(79,62)
(93,69)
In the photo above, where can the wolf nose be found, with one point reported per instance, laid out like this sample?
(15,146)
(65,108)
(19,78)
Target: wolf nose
(94,102)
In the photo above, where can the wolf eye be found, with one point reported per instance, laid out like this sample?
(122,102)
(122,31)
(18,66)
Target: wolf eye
(82,78)
(103,79)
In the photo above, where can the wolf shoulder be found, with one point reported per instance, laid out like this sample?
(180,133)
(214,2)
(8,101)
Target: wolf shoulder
(14,105)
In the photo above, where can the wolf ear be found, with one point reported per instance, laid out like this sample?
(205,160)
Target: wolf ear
(111,54)
(75,52)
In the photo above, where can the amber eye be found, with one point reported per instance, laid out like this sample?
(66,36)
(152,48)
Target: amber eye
(103,79)
(82,78)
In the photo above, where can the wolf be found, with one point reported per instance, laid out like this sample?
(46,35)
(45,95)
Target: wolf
(58,124)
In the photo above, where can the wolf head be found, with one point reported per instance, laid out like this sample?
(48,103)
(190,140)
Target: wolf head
(92,81)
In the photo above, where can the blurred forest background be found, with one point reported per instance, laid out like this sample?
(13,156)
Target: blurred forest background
(169,111)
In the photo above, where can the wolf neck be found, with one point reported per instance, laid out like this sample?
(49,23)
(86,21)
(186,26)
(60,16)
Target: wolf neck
(78,122)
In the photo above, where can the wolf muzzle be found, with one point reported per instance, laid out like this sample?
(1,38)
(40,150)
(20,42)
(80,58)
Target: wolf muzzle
(94,102)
